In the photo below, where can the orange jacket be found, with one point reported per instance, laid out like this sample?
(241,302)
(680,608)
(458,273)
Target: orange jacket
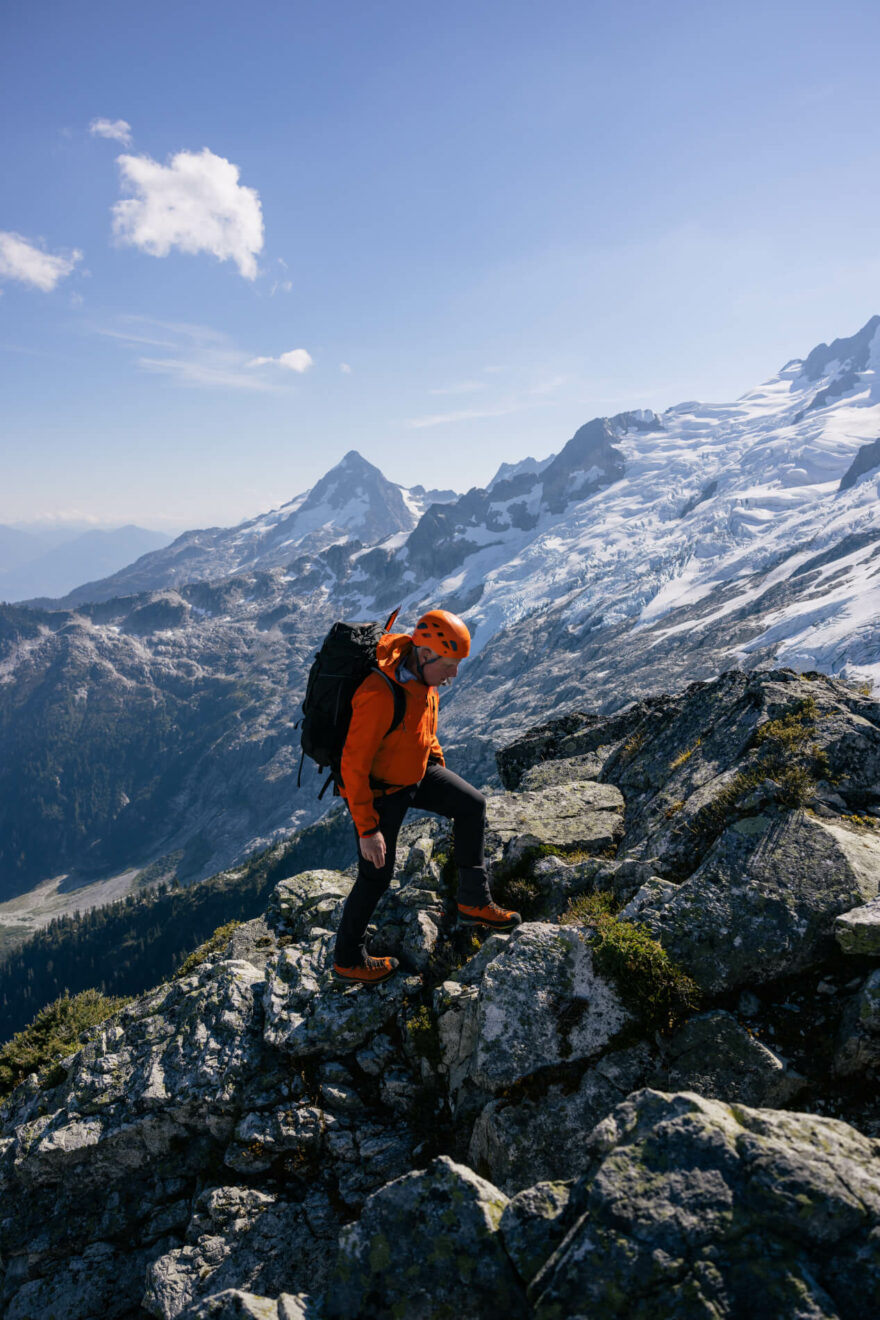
(401,758)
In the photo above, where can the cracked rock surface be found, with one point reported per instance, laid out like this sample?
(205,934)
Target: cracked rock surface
(503,1128)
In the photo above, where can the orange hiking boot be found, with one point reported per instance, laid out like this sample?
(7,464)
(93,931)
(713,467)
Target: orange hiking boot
(489,915)
(370,972)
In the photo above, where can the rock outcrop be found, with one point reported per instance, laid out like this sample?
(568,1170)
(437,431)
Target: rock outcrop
(541,1124)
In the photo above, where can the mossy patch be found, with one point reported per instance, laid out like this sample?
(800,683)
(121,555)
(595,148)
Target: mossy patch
(214,944)
(53,1034)
(648,980)
(424,1036)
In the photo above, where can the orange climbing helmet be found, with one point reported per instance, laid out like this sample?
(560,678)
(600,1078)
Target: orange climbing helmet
(444,633)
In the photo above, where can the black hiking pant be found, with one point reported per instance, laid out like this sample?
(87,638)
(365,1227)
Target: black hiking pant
(446,794)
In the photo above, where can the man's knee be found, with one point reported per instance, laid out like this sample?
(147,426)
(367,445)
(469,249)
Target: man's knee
(476,804)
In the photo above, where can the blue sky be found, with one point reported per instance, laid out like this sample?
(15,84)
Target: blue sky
(236,242)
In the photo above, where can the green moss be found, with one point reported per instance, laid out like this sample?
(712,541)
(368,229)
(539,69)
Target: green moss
(213,944)
(53,1034)
(422,1031)
(648,980)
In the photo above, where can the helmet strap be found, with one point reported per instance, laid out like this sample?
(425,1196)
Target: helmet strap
(417,664)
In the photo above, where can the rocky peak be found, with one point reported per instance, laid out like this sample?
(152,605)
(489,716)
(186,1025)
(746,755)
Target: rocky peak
(852,353)
(355,496)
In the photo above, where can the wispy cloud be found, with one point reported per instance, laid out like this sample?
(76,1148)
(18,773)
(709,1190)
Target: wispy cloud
(118,130)
(465,415)
(345,368)
(465,387)
(549,386)
(22,260)
(282,284)
(194,355)
(195,203)
(298,359)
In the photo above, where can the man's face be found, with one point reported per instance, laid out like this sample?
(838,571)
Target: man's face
(437,669)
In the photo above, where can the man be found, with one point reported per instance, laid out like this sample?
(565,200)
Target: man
(383,774)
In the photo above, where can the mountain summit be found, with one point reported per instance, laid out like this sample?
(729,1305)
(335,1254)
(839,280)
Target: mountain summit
(351,502)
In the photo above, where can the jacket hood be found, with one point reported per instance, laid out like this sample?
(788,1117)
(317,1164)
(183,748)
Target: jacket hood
(393,648)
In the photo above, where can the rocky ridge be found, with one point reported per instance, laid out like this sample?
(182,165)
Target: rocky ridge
(520,1124)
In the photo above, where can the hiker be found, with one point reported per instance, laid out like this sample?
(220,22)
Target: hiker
(385,773)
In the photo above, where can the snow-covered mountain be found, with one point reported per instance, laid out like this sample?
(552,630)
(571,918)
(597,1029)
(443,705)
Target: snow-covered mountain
(353,502)
(641,515)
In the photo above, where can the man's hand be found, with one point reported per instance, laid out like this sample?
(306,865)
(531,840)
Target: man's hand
(373,849)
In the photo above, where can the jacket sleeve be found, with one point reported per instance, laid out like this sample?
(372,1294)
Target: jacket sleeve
(436,752)
(372,709)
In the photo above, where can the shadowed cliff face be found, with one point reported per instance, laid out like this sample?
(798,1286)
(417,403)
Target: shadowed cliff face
(640,1088)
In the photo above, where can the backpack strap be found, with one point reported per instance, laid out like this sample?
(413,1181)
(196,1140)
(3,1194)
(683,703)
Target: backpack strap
(398,696)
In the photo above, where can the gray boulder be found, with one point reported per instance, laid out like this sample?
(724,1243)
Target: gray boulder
(524,1139)
(534,1223)
(103,1280)
(764,901)
(858,1045)
(309,1013)
(232,1304)
(721,1210)
(427,1246)
(716,1056)
(541,1002)
(547,774)
(107,1157)
(582,814)
(245,1240)
(311,900)
(858,932)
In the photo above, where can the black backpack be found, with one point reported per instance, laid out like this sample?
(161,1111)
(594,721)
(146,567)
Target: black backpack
(346,657)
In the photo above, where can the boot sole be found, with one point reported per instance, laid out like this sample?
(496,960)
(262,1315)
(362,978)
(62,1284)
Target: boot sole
(490,925)
(360,980)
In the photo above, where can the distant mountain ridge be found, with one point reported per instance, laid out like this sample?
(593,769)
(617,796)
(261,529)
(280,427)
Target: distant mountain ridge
(29,569)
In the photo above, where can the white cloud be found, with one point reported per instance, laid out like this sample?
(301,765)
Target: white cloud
(115,129)
(21,260)
(345,368)
(194,204)
(298,359)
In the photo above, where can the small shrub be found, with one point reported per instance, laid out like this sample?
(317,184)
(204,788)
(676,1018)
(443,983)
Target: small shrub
(673,809)
(684,756)
(633,744)
(53,1034)
(647,979)
(796,786)
(213,944)
(790,730)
